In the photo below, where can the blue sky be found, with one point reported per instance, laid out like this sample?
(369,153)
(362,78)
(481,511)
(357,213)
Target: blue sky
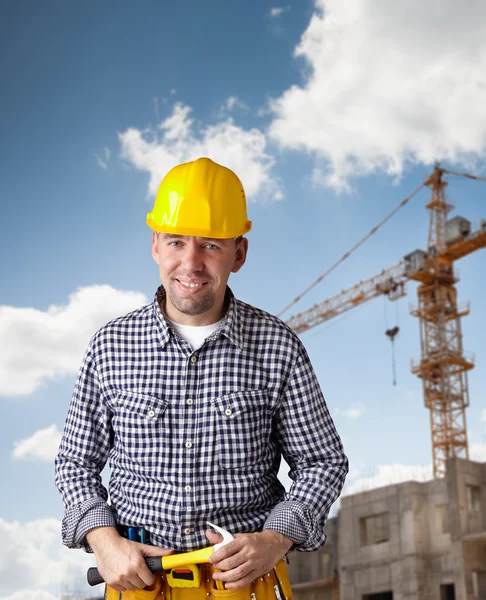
(330,117)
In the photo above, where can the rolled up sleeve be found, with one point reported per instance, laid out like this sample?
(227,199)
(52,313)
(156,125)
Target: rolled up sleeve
(83,453)
(314,452)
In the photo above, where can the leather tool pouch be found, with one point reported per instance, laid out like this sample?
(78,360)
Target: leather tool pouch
(273,586)
(149,593)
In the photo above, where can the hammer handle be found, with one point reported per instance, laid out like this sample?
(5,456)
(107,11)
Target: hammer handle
(157,563)
(154,563)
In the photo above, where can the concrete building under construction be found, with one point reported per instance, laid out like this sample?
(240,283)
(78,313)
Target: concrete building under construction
(413,540)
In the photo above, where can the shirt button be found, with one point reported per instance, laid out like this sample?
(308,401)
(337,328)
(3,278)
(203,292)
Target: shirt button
(188,444)
(151,413)
(188,488)
(193,359)
(187,531)
(228,412)
(190,401)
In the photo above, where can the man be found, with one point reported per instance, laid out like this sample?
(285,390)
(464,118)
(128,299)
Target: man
(194,399)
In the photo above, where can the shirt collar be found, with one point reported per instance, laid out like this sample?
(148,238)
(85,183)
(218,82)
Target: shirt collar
(161,321)
(230,327)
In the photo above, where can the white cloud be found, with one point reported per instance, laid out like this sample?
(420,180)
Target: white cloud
(387,84)
(42,445)
(477,452)
(32,559)
(178,139)
(102,161)
(31,594)
(41,345)
(483,416)
(352,413)
(278,11)
(232,102)
(387,475)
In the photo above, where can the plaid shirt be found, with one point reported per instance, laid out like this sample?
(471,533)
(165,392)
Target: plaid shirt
(196,436)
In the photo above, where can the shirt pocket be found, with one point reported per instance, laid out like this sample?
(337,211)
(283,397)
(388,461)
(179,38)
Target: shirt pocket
(243,428)
(140,430)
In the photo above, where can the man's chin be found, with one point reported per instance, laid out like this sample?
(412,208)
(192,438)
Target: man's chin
(191,306)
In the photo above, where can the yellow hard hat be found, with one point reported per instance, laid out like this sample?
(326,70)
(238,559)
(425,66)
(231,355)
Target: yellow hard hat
(200,198)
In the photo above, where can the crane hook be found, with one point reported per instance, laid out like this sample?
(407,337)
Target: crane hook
(392,333)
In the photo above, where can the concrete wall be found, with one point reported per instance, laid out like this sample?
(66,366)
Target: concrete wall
(461,474)
(468,527)
(305,567)
(400,564)
(418,557)
(314,575)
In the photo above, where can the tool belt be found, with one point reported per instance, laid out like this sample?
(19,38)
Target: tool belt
(195,582)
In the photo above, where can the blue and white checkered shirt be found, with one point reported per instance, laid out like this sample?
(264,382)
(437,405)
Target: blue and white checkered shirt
(196,436)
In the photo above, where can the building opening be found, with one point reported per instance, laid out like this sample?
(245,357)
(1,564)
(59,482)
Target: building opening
(374,529)
(447,592)
(379,596)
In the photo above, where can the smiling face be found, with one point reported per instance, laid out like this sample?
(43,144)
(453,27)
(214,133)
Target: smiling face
(194,272)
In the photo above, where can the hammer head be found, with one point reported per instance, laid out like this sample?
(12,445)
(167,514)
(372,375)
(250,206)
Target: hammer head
(227,536)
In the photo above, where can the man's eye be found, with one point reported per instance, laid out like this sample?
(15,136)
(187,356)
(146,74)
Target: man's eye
(212,246)
(174,243)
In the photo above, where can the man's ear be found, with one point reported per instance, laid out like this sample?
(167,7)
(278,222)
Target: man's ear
(241,254)
(155,246)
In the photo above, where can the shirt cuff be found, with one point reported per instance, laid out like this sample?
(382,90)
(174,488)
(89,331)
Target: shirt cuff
(82,518)
(293,520)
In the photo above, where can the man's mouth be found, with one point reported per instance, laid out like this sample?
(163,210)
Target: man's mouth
(189,284)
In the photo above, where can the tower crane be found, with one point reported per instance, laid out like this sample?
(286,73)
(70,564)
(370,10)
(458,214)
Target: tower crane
(444,364)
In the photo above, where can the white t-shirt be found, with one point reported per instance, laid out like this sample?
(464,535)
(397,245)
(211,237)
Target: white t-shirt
(194,335)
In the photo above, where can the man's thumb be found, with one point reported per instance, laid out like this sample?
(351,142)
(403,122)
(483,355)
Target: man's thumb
(214,538)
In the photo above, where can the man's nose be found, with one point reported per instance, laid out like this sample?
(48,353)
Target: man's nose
(193,257)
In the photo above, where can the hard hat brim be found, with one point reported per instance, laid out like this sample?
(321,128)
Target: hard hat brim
(194,232)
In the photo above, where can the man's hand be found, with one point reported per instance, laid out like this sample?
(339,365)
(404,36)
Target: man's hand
(120,561)
(247,557)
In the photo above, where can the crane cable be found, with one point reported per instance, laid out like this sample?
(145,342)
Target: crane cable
(349,252)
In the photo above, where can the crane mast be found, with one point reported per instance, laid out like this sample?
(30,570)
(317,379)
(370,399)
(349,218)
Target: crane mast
(443,365)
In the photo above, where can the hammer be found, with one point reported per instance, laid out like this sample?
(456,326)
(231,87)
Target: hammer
(164,563)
